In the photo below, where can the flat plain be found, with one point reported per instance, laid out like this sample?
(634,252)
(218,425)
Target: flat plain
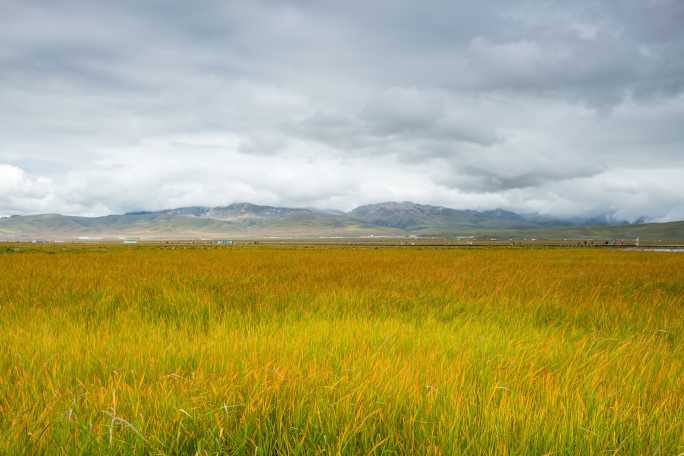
(340,350)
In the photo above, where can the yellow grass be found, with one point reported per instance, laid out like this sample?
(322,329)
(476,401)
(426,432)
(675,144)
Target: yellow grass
(262,350)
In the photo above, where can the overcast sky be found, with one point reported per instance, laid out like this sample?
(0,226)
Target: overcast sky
(556,107)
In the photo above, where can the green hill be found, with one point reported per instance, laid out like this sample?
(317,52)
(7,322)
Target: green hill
(245,220)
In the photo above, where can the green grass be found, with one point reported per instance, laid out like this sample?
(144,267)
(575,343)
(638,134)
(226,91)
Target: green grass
(263,350)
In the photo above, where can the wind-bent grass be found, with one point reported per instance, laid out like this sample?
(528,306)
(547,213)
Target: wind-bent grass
(262,350)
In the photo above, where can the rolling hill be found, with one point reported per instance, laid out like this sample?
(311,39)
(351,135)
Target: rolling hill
(246,220)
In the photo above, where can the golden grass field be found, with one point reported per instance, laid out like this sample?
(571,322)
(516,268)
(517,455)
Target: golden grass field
(354,350)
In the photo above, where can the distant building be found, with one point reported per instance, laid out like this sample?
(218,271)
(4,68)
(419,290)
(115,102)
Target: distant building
(224,242)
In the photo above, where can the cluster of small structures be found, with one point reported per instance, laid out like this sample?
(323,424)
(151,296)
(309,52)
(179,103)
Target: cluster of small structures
(420,241)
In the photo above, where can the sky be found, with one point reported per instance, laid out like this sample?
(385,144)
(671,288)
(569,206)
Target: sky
(551,107)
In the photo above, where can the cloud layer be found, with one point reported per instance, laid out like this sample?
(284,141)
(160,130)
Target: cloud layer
(563,108)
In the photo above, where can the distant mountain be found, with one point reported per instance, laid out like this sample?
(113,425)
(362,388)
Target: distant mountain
(421,217)
(244,220)
(234,211)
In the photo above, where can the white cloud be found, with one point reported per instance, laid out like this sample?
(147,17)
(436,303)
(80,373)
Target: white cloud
(19,190)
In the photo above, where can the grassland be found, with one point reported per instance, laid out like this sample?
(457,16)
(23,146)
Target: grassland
(263,350)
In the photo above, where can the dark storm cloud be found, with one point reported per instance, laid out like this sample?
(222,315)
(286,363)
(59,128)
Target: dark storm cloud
(557,107)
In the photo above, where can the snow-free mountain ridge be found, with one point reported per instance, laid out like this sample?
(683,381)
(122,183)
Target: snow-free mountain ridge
(252,220)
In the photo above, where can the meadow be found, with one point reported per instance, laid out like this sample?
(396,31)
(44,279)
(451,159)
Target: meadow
(340,350)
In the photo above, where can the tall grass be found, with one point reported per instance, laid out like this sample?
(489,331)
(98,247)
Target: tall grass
(262,350)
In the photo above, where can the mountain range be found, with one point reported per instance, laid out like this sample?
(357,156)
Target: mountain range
(246,220)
